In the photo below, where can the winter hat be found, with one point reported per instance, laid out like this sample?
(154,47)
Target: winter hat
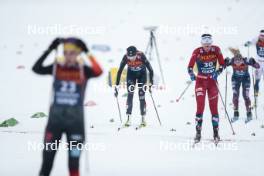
(131,51)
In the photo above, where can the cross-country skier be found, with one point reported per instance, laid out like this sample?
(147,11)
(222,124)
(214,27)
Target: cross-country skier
(259,43)
(206,58)
(241,77)
(137,64)
(66,110)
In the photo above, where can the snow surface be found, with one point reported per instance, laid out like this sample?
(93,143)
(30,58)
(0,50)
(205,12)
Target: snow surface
(128,152)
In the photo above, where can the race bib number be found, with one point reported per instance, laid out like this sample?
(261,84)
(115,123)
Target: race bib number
(67,93)
(207,67)
(260,51)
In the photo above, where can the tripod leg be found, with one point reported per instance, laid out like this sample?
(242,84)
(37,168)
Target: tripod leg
(158,57)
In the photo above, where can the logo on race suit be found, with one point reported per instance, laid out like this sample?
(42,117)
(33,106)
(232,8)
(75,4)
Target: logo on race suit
(240,68)
(199,91)
(135,65)
(209,57)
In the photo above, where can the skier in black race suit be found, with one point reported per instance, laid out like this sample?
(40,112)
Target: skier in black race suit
(66,110)
(137,64)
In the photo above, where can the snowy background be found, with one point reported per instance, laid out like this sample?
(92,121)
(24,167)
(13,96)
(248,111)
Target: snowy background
(119,24)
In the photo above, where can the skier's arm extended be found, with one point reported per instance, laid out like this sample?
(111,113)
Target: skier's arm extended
(149,67)
(121,67)
(38,66)
(95,70)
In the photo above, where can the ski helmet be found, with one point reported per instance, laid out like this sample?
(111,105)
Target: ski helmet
(206,39)
(131,51)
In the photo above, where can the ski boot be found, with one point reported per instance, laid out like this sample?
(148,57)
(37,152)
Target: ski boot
(216,136)
(249,117)
(128,122)
(236,116)
(143,122)
(197,136)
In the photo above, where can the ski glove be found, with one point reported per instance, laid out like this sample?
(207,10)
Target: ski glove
(247,43)
(192,75)
(252,61)
(215,75)
(82,45)
(227,61)
(55,43)
(116,92)
(150,87)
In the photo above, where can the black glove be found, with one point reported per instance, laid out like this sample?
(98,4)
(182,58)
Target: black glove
(150,86)
(252,61)
(82,45)
(116,92)
(227,60)
(56,42)
(247,43)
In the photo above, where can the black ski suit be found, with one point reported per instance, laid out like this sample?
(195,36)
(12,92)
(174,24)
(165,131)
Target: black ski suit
(136,74)
(66,110)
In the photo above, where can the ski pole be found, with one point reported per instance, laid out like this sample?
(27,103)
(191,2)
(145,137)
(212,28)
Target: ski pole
(225,90)
(225,108)
(118,106)
(183,92)
(253,81)
(154,104)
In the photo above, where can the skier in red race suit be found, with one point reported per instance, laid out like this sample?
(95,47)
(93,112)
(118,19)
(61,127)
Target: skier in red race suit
(206,58)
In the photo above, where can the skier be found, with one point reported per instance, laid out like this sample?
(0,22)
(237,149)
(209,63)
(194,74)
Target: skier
(241,77)
(136,75)
(259,43)
(206,58)
(66,110)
